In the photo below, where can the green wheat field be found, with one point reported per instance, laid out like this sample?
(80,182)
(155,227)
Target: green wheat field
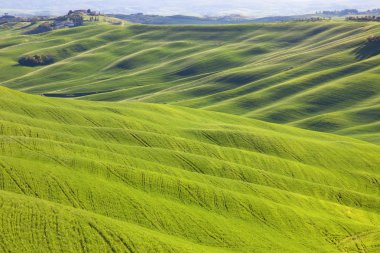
(225,138)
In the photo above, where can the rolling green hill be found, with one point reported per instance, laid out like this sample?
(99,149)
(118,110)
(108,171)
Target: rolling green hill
(318,75)
(82,176)
(164,141)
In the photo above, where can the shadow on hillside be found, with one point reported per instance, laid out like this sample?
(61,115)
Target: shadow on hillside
(367,50)
(73,95)
(25,27)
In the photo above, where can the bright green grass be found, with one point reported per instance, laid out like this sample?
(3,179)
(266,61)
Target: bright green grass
(317,75)
(80,176)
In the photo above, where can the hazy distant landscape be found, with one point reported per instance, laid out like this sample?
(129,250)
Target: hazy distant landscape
(175,7)
(130,128)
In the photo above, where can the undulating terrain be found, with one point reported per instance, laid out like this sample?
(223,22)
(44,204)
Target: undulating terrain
(196,139)
(322,76)
(135,177)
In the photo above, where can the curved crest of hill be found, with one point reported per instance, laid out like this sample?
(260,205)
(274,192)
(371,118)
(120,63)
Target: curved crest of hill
(79,176)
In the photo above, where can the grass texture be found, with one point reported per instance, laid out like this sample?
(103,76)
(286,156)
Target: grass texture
(84,176)
(169,139)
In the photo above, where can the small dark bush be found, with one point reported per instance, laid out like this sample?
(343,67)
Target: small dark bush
(35,60)
(373,39)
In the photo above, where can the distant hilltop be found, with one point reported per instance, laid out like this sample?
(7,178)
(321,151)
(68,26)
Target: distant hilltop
(347,12)
(182,19)
(141,18)
(237,18)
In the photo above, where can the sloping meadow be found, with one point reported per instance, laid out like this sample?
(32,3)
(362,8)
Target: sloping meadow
(315,75)
(80,176)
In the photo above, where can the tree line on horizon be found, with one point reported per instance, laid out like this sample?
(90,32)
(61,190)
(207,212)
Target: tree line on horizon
(364,18)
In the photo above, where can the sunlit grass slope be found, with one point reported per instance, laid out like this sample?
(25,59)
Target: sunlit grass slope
(317,75)
(81,176)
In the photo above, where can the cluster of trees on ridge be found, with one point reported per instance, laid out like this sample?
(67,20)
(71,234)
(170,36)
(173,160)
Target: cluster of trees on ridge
(312,19)
(364,18)
(35,60)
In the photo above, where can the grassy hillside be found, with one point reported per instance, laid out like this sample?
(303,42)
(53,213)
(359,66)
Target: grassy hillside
(80,176)
(318,75)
